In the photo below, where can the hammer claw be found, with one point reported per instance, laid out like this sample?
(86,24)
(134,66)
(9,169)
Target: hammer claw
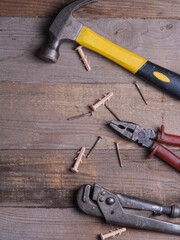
(80,3)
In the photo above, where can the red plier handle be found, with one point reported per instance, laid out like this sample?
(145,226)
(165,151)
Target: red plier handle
(162,152)
(168,138)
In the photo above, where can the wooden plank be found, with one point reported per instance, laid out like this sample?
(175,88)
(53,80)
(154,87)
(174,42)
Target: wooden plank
(34,115)
(103,8)
(34,178)
(156,40)
(62,223)
(45,224)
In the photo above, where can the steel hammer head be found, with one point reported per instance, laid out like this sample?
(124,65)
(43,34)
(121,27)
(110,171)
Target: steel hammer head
(64,27)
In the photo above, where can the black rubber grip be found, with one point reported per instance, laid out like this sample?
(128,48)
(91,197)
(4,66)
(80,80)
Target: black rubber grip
(161,77)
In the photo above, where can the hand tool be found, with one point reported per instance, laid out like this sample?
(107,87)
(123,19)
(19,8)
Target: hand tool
(145,138)
(102,203)
(65,26)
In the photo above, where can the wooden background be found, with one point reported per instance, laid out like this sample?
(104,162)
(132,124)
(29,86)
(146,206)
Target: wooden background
(37,143)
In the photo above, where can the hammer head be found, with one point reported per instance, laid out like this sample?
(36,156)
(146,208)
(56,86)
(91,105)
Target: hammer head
(64,27)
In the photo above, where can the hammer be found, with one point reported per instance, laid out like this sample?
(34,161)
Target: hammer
(65,26)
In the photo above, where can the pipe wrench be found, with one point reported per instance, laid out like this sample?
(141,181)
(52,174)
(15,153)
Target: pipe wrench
(102,203)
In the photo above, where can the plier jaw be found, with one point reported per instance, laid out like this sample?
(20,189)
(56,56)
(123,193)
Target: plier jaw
(134,132)
(100,202)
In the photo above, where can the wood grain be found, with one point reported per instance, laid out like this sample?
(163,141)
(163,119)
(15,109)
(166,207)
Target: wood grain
(21,39)
(34,115)
(47,224)
(103,8)
(38,145)
(42,178)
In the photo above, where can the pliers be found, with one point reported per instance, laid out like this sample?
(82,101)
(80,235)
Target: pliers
(102,203)
(149,138)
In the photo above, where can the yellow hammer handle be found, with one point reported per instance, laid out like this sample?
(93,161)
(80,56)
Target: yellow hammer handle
(95,42)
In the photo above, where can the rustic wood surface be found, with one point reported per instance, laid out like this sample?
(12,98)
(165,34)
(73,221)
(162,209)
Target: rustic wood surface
(34,178)
(34,115)
(37,142)
(103,8)
(33,223)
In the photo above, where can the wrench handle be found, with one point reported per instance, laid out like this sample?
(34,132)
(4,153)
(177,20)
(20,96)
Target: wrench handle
(160,77)
(169,139)
(165,155)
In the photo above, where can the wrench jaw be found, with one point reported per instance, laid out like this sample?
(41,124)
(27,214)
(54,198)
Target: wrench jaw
(85,203)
